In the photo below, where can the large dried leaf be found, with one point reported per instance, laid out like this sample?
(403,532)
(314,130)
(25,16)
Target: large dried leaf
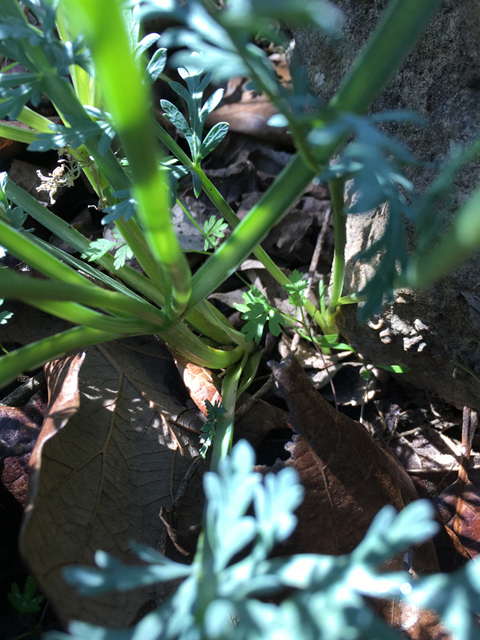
(104,477)
(248,112)
(347,478)
(459,504)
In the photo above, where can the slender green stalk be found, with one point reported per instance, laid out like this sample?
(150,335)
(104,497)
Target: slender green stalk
(340,237)
(17,287)
(249,372)
(399,29)
(14,132)
(252,229)
(459,244)
(84,84)
(104,29)
(212,314)
(37,353)
(78,314)
(136,241)
(222,443)
(34,120)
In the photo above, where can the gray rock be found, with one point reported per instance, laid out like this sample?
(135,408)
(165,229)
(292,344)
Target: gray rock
(432,329)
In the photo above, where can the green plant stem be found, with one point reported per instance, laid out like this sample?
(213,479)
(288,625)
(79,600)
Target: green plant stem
(34,120)
(212,314)
(78,314)
(249,372)
(105,31)
(340,237)
(459,244)
(252,229)
(222,443)
(17,287)
(136,241)
(181,340)
(37,353)
(402,24)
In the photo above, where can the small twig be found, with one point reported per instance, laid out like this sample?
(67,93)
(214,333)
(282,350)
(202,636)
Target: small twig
(9,451)
(318,250)
(248,404)
(22,394)
(469,426)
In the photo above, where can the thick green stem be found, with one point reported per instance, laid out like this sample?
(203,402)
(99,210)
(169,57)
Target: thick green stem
(37,353)
(17,287)
(104,28)
(222,444)
(402,24)
(458,245)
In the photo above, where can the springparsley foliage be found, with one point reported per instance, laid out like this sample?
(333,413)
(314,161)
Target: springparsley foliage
(100,247)
(208,429)
(257,311)
(296,289)
(28,601)
(214,230)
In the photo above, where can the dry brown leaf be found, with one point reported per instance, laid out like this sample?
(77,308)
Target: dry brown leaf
(103,479)
(347,478)
(200,382)
(459,504)
(248,112)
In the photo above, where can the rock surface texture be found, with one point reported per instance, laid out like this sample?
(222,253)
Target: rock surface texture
(432,329)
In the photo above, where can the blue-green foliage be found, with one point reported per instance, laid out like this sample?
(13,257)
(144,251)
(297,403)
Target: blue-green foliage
(126,207)
(219,597)
(16,89)
(192,94)
(77,133)
(5,316)
(14,216)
